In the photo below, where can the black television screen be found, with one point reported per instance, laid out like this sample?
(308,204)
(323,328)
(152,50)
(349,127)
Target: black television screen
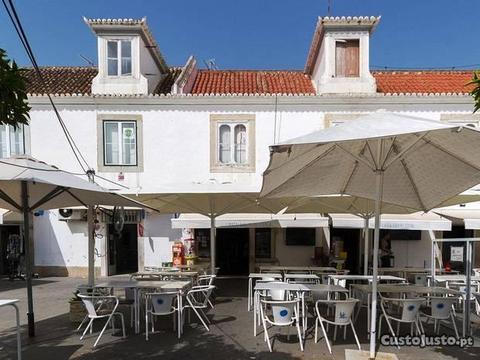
(300,236)
(402,234)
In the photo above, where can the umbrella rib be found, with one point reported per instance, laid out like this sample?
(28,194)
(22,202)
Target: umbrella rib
(310,163)
(386,164)
(441,148)
(75,197)
(414,186)
(354,170)
(367,145)
(356,157)
(9,200)
(52,194)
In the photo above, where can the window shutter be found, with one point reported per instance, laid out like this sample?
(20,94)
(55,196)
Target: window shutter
(347,58)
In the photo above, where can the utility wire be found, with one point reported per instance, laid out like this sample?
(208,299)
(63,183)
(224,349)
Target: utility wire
(12,13)
(15,19)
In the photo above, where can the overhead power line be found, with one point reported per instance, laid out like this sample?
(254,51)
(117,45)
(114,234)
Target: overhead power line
(13,15)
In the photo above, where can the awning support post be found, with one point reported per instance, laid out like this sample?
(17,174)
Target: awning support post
(212,244)
(91,237)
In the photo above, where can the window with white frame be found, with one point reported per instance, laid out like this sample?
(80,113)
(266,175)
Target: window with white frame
(232,142)
(120,143)
(12,141)
(119,57)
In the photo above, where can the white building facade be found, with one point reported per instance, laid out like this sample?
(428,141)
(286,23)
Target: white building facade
(151,128)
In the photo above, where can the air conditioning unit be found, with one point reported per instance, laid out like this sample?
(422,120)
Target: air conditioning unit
(72,214)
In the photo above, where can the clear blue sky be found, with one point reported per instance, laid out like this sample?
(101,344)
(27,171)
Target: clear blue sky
(252,34)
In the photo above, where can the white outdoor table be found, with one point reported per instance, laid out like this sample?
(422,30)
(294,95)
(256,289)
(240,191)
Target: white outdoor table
(449,278)
(311,277)
(253,276)
(12,303)
(399,289)
(172,274)
(369,278)
(322,269)
(178,286)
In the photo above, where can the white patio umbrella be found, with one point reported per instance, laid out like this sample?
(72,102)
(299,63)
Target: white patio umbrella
(413,162)
(211,200)
(27,184)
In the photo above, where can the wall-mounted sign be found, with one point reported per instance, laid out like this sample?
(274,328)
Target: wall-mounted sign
(456,253)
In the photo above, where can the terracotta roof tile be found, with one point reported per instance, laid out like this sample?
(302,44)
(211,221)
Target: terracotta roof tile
(61,80)
(77,80)
(425,82)
(65,80)
(252,82)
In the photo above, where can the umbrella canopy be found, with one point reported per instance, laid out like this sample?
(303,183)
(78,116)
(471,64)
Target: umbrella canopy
(398,159)
(50,187)
(424,162)
(27,184)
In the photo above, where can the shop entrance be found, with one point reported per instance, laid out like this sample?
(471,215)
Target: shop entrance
(349,241)
(455,253)
(7,262)
(122,250)
(232,251)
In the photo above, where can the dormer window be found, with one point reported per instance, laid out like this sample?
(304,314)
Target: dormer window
(347,58)
(119,57)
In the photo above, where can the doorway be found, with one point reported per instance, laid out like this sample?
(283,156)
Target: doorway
(351,245)
(232,251)
(458,231)
(122,250)
(5,232)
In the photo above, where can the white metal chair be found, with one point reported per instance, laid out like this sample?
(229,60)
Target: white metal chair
(402,311)
(342,317)
(197,300)
(207,280)
(284,313)
(159,304)
(95,312)
(439,308)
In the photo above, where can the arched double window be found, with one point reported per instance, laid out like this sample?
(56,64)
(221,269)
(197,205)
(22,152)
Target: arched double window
(232,144)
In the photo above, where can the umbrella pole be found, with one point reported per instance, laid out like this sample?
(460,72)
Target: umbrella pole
(376,238)
(365,245)
(91,236)
(212,244)
(28,260)
(91,246)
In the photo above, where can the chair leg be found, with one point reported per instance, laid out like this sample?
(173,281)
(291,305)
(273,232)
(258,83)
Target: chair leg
(454,325)
(391,330)
(103,330)
(267,337)
(81,324)
(86,329)
(316,330)
(123,324)
(335,333)
(355,335)
(344,332)
(326,338)
(146,325)
(198,314)
(379,326)
(418,332)
(300,338)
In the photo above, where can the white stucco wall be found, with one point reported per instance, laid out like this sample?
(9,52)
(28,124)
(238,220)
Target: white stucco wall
(158,239)
(413,253)
(176,147)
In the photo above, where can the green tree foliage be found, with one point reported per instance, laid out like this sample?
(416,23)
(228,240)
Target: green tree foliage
(13,95)
(476,90)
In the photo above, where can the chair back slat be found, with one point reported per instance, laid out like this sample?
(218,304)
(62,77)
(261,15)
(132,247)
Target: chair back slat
(344,310)
(441,307)
(410,309)
(162,303)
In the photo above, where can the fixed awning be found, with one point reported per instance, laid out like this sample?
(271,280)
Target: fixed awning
(470,218)
(415,221)
(197,221)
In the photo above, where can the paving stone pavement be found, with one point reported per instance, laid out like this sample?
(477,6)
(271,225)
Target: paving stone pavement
(230,336)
